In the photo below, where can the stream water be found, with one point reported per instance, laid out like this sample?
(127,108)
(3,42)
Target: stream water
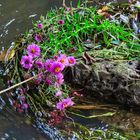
(16,17)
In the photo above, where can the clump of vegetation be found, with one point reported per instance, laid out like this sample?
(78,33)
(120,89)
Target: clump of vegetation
(102,31)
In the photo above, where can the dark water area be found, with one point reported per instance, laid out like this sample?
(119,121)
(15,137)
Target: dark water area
(17,127)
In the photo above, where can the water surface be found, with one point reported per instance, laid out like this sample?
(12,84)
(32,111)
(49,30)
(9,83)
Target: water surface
(16,16)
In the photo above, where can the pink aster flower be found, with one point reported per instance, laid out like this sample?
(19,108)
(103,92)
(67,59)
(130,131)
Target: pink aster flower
(56,67)
(61,22)
(59,53)
(22,98)
(25,106)
(48,81)
(48,65)
(64,104)
(39,64)
(60,78)
(33,50)
(71,60)
(38,80)
(38,37)
(55,58)
(63,59)
(56,85)
(26,62)
(40,25)
(58,93)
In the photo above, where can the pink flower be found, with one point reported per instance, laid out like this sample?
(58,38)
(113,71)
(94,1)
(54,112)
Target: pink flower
(60,78)
(38,37)
(64,104)
(38,80)
(59,53)
(63,59)
(39,64)
(56,67)
(58,93)
(48,81)
(26,62)
(33,50)
(61,22)
(25,106)
(48,65)
(55,58)
(71,60)
(40,26)
(22,98)
(56,85)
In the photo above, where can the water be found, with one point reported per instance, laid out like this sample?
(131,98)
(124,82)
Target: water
(17,127)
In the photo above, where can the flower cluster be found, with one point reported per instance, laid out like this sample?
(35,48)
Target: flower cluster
(33,51)
(18,99)
(49,71)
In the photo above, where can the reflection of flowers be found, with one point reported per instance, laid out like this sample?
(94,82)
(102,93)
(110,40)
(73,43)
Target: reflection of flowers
(56,117)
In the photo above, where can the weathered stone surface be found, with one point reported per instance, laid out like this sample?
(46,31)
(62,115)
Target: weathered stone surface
(116,81)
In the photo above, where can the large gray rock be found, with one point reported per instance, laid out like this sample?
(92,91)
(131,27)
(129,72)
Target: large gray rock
(116,81)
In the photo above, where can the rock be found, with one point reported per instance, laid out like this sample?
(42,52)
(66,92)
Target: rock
(115,81)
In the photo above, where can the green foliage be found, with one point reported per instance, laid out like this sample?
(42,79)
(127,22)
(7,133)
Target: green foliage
(85,23)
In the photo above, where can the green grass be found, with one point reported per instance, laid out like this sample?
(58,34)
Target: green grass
(82,24)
